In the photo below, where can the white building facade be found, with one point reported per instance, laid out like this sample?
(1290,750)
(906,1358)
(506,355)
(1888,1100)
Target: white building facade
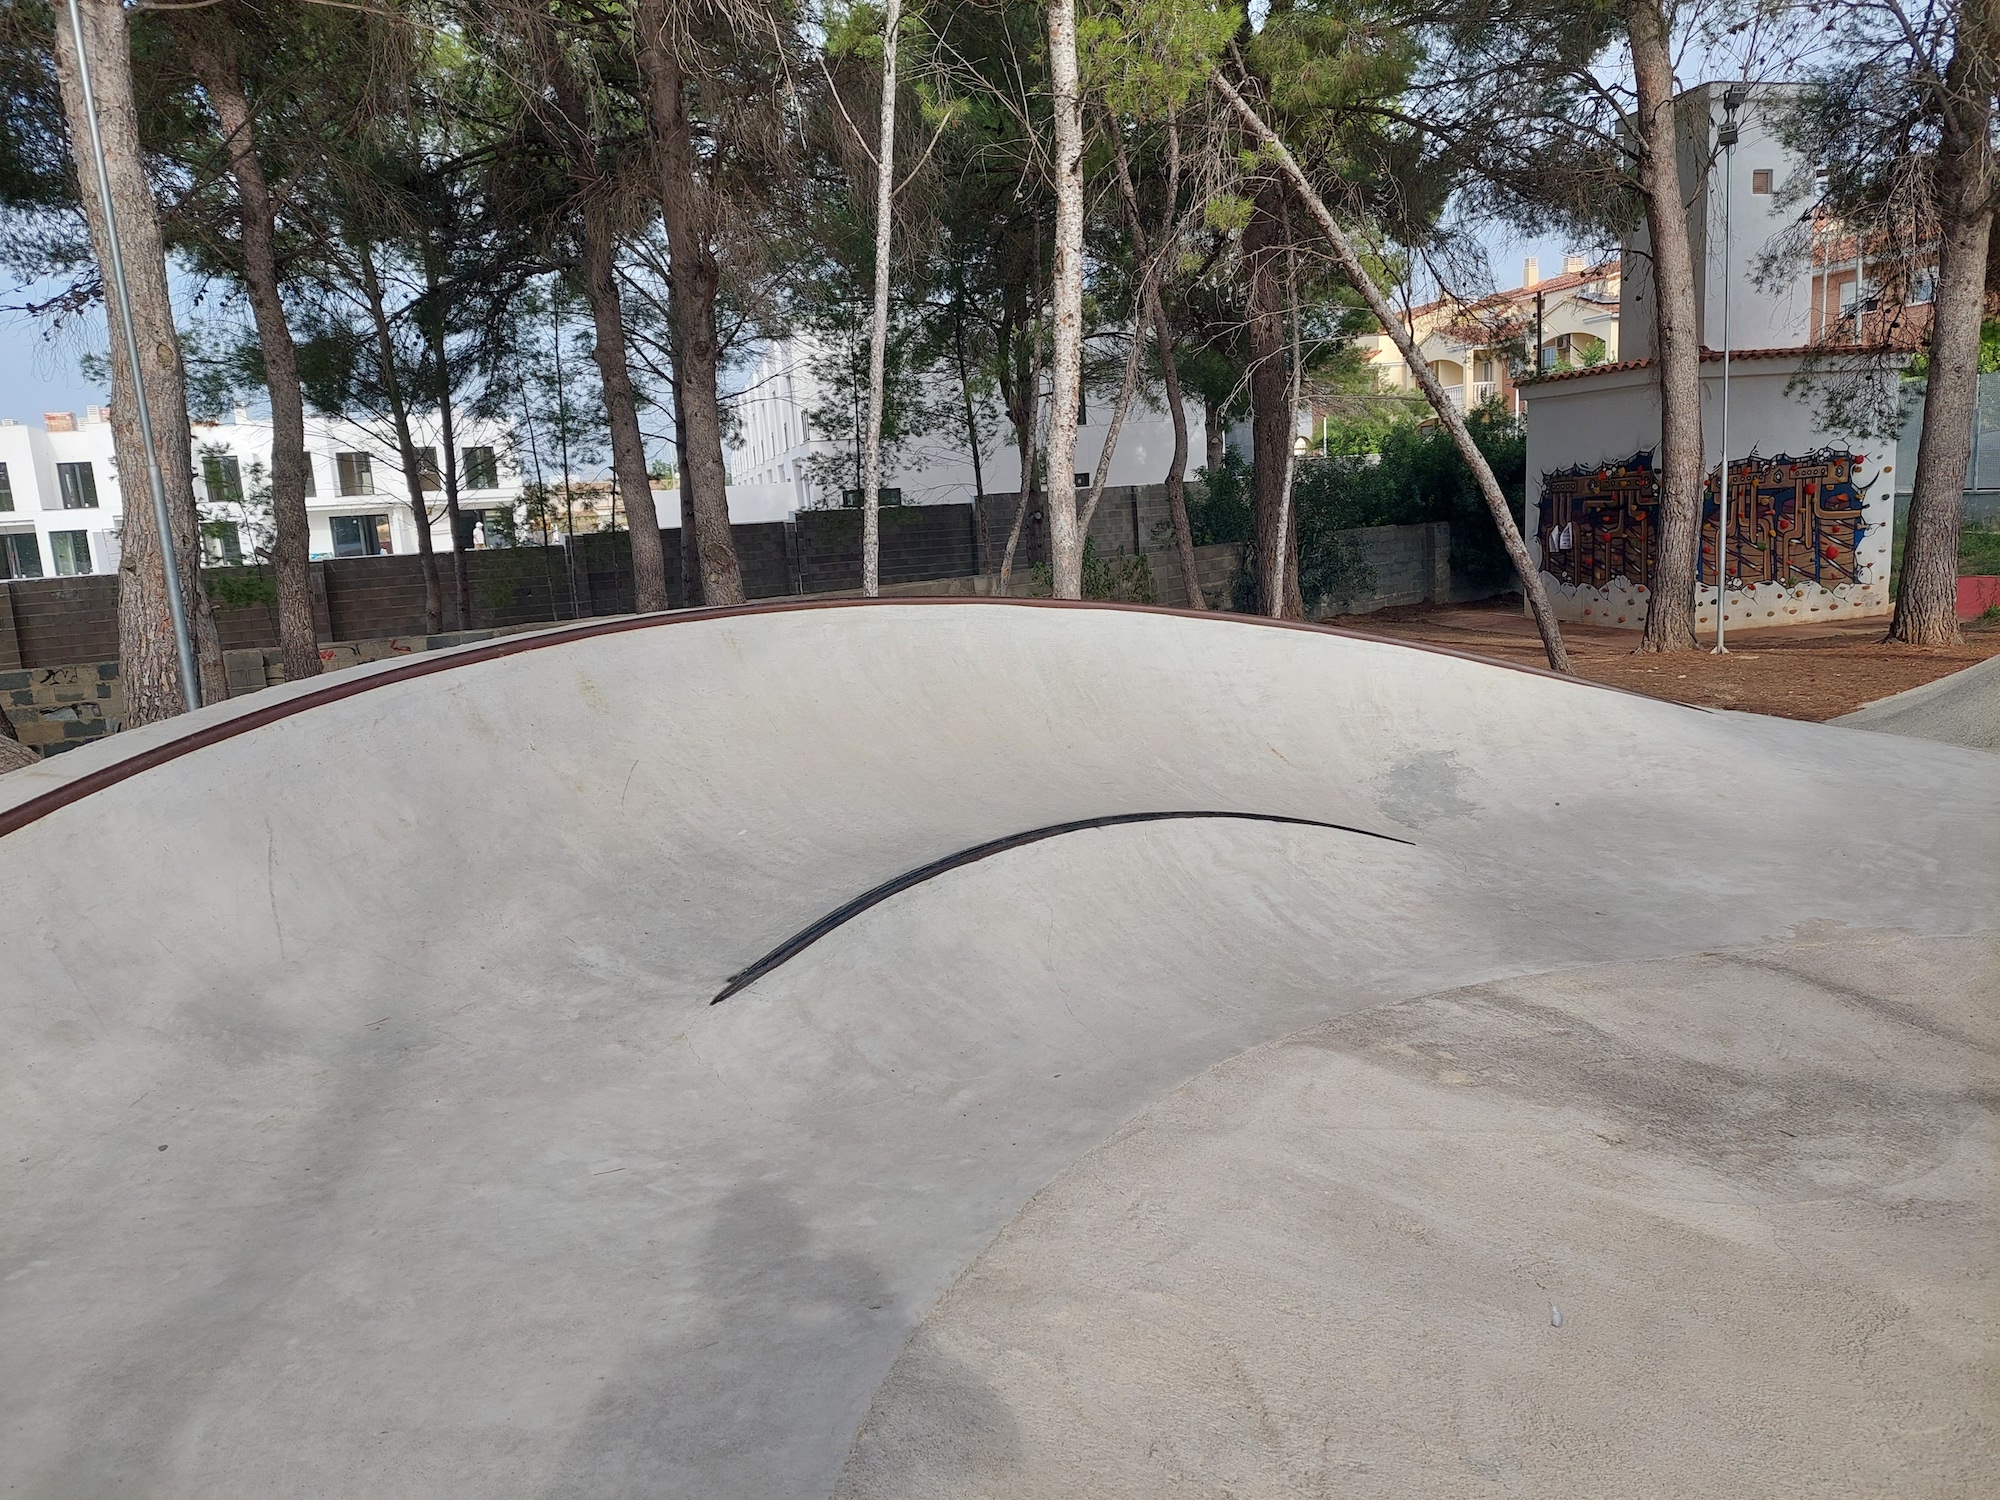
(778,464)
(62,503)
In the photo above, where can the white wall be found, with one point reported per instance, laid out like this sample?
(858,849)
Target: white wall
(1760,316)
(1601,418)
(769,460)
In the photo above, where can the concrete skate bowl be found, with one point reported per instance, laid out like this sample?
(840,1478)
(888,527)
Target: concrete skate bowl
(1961,709)
(1544,1090)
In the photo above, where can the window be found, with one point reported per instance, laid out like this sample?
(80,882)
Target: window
(1760,180)
(356,475)
(1923,288)
(312,485)
(360,536)
(427,470)
(6,490)
(1083,481)
(221,544)
(481,472)
(71,551)
(223,476)
(78,483)
(20,555)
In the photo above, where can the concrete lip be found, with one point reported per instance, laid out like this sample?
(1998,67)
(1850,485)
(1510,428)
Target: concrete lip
(466,1187)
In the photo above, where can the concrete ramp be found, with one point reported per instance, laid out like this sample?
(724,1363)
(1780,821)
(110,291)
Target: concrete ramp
(1166,1054)
(1962,709)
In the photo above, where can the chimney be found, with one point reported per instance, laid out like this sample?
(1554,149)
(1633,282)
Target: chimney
(59,421)
(1573,265)
(1531,271)
(96,415)
(241,414)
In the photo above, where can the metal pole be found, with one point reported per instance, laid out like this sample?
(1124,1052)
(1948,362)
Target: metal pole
(176,608)
(1731,101)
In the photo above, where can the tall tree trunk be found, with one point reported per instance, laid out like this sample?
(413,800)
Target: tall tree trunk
(878,328)
(697,277)
(1155,310)
(1065,401)
(1420,368)
(149,666)
(461,577)
(1677,348)
(971,431)
(1285,578)
(212,50)
(1025,408)
(1177,511)
(621,411)
(435,330)
(406,447)
(1927,591)
(1215,434)
(1270,397)
(690,557)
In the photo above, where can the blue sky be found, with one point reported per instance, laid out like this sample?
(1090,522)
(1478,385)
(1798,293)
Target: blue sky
(38,372)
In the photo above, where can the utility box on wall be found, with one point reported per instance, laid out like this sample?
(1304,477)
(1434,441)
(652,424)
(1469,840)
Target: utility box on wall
(1811,508)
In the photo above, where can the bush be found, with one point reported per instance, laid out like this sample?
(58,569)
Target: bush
(1404,473)
(1123,579)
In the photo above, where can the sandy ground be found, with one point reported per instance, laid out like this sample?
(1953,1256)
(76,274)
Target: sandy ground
(1814,674)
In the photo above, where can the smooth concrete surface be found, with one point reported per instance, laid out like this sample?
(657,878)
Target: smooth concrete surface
(1630,1229)
(466,1189)
(1962,709)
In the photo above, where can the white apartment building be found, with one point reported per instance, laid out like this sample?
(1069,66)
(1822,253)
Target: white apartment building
(772,472)
(62,503)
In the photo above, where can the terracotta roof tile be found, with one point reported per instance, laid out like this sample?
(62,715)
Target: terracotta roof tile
(1710,356)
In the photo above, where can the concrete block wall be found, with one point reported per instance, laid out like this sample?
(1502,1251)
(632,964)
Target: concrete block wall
(1408,564)
(919,543)
(58,708)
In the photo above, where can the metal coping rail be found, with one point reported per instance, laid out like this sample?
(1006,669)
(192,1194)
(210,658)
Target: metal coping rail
(803,939)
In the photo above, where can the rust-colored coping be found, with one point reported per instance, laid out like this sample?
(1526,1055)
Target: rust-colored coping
(36,808)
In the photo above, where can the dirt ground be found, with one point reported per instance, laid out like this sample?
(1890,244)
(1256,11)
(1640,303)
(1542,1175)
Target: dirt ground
(1810,673)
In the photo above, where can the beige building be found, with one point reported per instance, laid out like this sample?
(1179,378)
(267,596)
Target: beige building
(1479,349)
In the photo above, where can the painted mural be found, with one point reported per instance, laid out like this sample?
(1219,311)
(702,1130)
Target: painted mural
(1791,520)
(1600,522)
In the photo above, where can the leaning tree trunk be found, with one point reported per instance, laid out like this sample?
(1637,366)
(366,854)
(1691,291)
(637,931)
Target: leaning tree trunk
(1427,381)
(149,667)
(1927,590)
(1065,400)
(1215,436)
(13,754)
(878,328)
(212,50)
(1677,348)
(697,278)
(621,412)
(406,447)
(1128,387)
